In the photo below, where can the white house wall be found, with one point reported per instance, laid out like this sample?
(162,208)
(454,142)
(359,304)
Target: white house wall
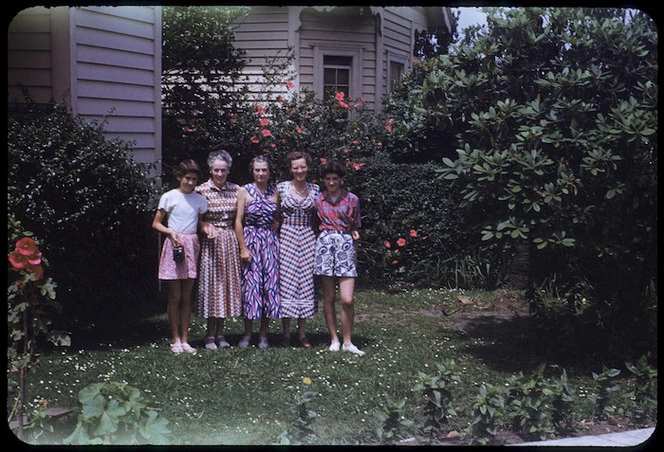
(104,61)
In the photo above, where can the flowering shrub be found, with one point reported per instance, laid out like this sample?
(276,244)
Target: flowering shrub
(413,231)
(30,296)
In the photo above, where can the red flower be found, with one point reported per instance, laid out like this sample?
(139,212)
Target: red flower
(388,125)
(264,122)
(323,161)
(413,233)
(290,84)
(387,245)
(266,133)
(401,241)
(395,262)
(340,96)
(357,166)
(260,110)
(18,261)
(26,246)
(254,139)
(299,130)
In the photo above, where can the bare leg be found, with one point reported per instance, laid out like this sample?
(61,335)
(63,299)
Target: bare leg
(265,325)
(301,327)
(346,290)
(328,303)
(247,327)
(173,309)
(185,308)
(286,323)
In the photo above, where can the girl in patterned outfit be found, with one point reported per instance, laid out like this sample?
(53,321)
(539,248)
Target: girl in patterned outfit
(339,217)
(297,247)
(259,251)
(182,207)
(218,294)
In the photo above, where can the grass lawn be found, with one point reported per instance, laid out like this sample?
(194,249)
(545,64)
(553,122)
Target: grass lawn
(249,396)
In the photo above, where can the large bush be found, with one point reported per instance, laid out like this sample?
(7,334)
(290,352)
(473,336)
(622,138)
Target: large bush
(553,116)
(89,201)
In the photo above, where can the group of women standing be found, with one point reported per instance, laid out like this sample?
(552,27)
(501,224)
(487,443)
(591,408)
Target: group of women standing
(259,251)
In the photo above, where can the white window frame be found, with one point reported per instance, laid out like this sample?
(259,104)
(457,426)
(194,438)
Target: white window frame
(395,58)
(355,53)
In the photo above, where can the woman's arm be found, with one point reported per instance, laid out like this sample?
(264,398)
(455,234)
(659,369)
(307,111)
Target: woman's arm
(245,255)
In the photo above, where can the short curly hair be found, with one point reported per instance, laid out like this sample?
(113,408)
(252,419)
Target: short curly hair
(332,166)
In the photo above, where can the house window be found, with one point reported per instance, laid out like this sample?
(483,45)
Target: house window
(337,69)
(395,75)
(336,75)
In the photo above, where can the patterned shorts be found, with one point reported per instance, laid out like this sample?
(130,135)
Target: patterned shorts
(335,255)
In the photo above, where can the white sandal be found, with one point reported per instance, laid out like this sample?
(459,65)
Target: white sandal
(176,348)
(188,348)
(210,345)
(222,342)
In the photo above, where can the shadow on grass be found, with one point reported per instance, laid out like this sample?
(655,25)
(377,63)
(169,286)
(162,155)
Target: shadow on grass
(521,343)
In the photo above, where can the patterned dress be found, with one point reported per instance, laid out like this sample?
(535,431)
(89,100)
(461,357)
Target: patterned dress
(260,278)
(296,253)
(219,292)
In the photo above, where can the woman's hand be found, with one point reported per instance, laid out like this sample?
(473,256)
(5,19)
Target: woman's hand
(355,234)
(209,230)
(245,255)
(174,238)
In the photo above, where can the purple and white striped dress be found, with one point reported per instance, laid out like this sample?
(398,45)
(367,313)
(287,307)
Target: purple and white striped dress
(260,278)
(297,251)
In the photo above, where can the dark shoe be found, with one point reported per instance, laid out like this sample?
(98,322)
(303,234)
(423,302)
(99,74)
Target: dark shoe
(304,342)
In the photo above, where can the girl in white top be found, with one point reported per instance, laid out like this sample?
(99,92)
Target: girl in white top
(182,209)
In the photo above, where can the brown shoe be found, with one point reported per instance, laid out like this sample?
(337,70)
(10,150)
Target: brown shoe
(304,342)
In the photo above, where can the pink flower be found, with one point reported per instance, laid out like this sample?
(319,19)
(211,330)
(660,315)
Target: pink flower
(340,96)
(388,245)
(264,122)
(299,130)
(401,241)
(18,261)
(260,110)
(388,125)
(413,233)
(357,166)
(254,139)
(266,133)
(26,246)
(290,84)
(323,161)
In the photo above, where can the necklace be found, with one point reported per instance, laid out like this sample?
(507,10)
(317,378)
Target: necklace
(302,193)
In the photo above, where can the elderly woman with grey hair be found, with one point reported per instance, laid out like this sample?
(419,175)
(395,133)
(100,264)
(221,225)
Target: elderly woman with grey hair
(219,277)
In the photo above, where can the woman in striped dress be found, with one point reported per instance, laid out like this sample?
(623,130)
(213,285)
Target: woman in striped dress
(218,293)
(259,251)
(297,248)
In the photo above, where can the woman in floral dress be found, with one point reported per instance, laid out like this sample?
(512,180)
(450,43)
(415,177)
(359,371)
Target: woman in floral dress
(297,248)
(218,294)
(259,251)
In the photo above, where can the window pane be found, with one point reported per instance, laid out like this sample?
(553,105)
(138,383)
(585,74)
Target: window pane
(337,60)
(343,77)
(329,76)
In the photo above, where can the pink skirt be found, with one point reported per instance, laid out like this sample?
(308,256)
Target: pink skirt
(186,269)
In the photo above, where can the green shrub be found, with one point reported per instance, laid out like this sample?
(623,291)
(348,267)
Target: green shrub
(89,201)
(413,231)
(116,413)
